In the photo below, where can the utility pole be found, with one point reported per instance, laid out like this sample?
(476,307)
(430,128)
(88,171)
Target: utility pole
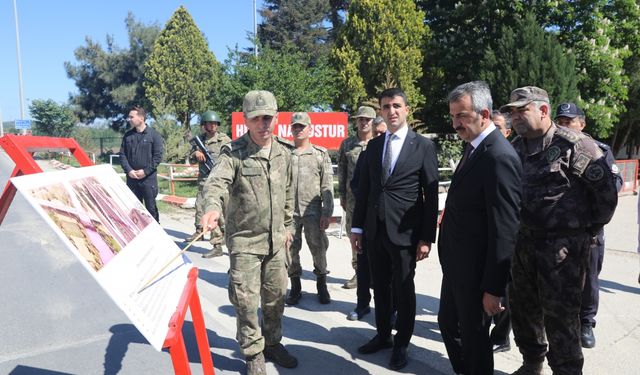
(15,17)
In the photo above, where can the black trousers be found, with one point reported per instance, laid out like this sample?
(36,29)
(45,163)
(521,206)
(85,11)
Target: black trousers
(363,274)
(502,328)
(392,270)
(146,190)
(465,329)
(591,291)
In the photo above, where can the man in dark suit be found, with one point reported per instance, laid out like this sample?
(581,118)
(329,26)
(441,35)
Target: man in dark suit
(477,232)
(397,207)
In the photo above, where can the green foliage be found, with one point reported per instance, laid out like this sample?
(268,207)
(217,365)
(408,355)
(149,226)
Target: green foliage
(176,149)
(181,71)
(109,81)
(449,148)
(380,46)
(594,30)
(52,119)
(295,22)
(527,55)
(296,85)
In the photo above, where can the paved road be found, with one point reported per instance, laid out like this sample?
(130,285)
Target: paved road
(58,321)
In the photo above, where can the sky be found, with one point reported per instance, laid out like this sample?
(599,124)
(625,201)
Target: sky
(51,30)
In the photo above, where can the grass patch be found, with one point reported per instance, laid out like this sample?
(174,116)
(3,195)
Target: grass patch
(187,189)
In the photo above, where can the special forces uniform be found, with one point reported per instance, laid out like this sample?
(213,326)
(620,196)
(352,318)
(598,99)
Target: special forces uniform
(568,196)
(259,214)
(313,195)
(213,146)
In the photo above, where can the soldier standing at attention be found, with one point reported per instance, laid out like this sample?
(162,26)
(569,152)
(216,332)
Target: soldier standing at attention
(570,116)
(568,195)
(348,154)
(313,207)
(254,172)
(213,141)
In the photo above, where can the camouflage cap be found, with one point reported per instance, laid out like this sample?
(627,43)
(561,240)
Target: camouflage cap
(301,118)
(525,95)
(570,110)
(365,111)
(259,103)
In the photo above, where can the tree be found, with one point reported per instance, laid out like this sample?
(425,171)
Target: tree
(181,71)
(297,22)
(589,29)
(379,46)
(527,55)
(52,119)
(110,81)
(296,85)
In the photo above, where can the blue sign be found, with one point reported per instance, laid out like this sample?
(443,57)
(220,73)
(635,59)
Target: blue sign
(23,124)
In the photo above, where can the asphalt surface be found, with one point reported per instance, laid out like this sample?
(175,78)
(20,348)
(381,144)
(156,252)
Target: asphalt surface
(57,320)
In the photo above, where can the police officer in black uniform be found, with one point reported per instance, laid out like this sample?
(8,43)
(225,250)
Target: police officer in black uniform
(571,116)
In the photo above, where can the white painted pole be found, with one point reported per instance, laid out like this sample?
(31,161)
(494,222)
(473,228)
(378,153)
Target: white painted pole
(255,29)
(15,17)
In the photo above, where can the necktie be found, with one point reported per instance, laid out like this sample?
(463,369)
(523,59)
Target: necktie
(386,160)
(467,152)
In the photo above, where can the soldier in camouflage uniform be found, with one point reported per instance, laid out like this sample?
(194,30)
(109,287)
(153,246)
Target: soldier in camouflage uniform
(313,196)
(568,196)
(213,141)
(254,172)
(571,116)
(348,154)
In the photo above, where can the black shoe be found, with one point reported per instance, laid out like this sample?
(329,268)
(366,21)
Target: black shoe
(587,338)
(399,358)
(375,344)
(280,356)
(358,313)
(502,348)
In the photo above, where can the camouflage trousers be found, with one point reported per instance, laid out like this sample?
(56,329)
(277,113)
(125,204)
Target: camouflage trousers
(257,281)
(348,217)
(545,295)
(217,235)
(318,244)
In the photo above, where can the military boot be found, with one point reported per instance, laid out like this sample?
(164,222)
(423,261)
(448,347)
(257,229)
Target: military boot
(280,356)
(352,283)
(255,365)
(194,235)
(216,251)
(529,368)
(295,293)
(323,293)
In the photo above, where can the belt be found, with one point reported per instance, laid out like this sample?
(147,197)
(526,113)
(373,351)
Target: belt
(552,233)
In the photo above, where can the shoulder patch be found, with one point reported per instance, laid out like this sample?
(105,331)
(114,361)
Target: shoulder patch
(569,135)
(553,153)
(594,173)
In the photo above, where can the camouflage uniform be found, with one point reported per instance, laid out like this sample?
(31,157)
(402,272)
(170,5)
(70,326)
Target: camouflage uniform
(259,213)
(213,145)
(348,154)
(313,195)
(568,196)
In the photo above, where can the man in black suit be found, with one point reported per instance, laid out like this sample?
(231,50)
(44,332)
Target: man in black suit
(477,232)
(397,207)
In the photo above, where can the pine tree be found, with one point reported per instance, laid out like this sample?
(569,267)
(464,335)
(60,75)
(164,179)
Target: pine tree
(181,71)
(527,55)
(379,46)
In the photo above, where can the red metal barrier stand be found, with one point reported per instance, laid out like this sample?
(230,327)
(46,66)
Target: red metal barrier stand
(175,340)
(21,148)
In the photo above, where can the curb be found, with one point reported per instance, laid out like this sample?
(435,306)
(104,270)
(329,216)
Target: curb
(177,201)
